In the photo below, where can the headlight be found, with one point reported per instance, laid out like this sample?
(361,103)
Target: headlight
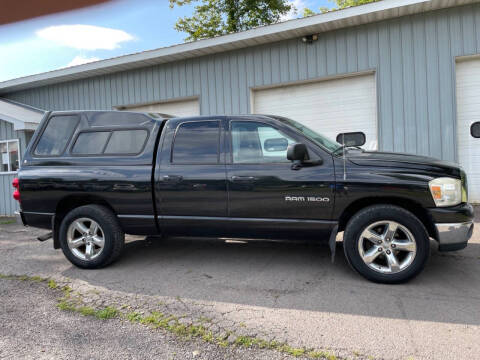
(446,191)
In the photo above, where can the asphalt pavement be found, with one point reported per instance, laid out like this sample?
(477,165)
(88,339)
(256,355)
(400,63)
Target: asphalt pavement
(285,291)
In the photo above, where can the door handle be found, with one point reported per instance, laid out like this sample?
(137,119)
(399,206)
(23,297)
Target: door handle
(172,178)
(243,178)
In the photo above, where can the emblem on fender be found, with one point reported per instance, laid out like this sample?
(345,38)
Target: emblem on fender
(307,198)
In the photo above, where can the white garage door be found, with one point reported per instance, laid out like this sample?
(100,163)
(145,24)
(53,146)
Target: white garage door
(181,108)
(328,107)
(468,113)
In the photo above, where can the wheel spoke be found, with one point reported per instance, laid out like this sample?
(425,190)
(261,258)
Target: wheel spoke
(75,243)
(89,251)
(371,254)
(393,264)
(372,236)
(409,246)
(97,240)
(93,228)
(80,227)
(391,229)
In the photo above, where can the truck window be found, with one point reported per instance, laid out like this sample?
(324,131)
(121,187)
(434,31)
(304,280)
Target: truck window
(90,143)
(126,142)
(56,135)
(254,142)
(196,142)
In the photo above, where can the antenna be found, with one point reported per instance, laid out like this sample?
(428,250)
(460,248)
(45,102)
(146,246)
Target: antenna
(344,160)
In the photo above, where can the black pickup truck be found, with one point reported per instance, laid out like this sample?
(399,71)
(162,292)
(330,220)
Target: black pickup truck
(93,176)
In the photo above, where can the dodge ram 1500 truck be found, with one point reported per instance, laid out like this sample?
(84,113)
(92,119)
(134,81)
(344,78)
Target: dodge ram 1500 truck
(94,176)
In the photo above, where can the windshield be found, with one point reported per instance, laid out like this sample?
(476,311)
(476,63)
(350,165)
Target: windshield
(321,140)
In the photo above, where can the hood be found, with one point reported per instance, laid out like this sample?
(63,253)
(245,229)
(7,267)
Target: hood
(401,160)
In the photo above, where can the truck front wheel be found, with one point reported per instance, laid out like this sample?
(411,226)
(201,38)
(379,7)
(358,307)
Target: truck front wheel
(386,244)
(91,237)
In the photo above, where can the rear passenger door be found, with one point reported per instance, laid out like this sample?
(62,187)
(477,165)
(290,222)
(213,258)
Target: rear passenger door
(191,176)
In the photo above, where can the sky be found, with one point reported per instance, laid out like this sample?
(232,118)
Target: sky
(117,28)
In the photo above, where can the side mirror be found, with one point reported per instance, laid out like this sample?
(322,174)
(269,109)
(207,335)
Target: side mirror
(475,130)
(351,138)
(297,152)
(279,144)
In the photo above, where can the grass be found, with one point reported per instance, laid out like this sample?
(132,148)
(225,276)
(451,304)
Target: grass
(171,323)
(7,221)
(107,313)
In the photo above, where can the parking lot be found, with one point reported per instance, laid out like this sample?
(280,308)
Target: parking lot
(290,292)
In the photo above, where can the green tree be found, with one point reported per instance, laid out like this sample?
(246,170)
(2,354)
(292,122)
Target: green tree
(339,4)
(218,17)
(307,12)
(342,4)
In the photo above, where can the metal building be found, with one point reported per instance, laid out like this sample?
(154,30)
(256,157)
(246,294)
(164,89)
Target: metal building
(404,72)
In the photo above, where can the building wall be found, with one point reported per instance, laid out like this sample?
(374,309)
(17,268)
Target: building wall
(7,204)
(414,60)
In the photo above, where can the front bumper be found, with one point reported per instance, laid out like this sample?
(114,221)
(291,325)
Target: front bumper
(454,236)
(454,226)
(19,218)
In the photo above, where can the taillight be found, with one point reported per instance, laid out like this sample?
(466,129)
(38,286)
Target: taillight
(16,185)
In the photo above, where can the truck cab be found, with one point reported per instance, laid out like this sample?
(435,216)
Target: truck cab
(94,176)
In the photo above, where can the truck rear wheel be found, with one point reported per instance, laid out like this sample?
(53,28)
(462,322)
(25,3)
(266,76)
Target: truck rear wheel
(386,244)
(91,237)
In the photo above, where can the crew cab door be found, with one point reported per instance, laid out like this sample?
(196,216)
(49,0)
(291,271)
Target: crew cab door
(190,176)
(267,197)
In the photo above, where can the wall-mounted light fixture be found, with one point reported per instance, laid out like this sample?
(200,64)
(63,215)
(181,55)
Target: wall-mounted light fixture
(308,39)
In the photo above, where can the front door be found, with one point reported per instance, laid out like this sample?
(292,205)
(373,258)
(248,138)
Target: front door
(191,187)
(266,195)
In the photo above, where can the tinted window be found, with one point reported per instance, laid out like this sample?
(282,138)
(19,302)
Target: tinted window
(91,143)
(196,142)
(475,130)
(126,142)
(56,135)
(254,142)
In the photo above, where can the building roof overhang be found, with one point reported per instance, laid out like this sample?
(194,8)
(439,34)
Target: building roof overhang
(353,16)
(23,117)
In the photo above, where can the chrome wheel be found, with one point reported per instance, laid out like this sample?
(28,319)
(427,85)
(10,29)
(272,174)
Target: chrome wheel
(85,239)
(387,247)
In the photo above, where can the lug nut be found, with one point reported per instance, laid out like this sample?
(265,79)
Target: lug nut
(380,249)
(388,252)
(394,246)
(379,241)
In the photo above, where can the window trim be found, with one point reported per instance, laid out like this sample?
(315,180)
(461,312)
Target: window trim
(39,137)
(471,128)
(219,122)
(10,172)
(111,131)
(252,163)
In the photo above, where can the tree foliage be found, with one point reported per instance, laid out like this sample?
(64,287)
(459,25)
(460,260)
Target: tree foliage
(340,4)
(218,17)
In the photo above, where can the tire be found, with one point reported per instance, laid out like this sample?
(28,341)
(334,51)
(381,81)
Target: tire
(372,251)
(103,243)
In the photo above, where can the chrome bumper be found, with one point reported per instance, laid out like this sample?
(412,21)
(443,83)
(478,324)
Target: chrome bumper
(454,236)
(19,218)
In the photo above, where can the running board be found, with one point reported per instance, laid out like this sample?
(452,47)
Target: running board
(45,237)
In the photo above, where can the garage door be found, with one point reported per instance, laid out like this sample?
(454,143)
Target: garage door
(468,123)
(328,107)
(181,108)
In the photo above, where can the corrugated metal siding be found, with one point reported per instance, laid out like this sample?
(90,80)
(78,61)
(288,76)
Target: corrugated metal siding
(7,204)
(413,57)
